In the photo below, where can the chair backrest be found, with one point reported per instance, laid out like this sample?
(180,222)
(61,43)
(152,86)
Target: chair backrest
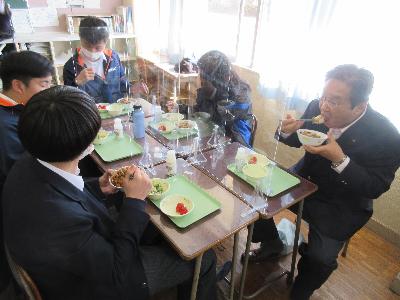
(23,279)
(253,119)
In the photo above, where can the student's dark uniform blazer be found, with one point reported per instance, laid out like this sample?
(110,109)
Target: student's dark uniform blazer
(66,240)
(343,202)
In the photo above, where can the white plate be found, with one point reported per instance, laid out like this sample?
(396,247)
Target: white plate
(168,205)
(255,171)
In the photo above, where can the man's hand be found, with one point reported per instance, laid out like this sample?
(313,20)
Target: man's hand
(136,183)
(331,151)
(170,106)
(105,185)
(290,124)
(84,76)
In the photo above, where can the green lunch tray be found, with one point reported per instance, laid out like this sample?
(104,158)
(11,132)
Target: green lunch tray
(106,115)
(279,182)
(204,204)
(173,135)
(114,148)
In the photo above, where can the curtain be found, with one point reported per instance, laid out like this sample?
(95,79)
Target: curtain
(300,40)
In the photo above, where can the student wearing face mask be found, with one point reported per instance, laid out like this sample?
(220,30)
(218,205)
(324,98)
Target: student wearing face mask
(94,68)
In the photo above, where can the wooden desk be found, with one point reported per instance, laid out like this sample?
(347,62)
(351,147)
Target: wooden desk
(193,241)
(108,125)
(216,167)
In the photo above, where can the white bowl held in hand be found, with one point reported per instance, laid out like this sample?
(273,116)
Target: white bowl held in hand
(176,206)
(311,137)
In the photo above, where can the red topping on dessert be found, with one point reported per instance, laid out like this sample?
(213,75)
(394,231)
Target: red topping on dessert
(253,160)
(181,209)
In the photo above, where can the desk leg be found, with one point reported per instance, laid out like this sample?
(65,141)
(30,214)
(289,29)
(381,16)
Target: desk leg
(246,260)
(234,259)
(196,277)
(296,242)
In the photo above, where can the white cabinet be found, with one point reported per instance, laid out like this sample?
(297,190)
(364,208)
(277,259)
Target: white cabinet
(59,47)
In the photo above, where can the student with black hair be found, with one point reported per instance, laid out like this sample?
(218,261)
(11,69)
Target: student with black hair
(219,81)
(93,68)
(23,74)
(67,241)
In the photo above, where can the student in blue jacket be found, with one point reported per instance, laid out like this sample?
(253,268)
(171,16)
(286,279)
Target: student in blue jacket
(220,82)
(93,68)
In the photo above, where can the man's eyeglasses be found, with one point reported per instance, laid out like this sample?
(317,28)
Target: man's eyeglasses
(329,102)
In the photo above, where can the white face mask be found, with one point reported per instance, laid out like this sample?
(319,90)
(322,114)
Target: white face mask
(92,56)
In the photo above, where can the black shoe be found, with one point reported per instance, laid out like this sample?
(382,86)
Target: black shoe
(268,250)
(224,270)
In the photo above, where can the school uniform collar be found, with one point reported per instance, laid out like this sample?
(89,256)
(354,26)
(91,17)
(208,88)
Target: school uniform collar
(75,180)
(7,101)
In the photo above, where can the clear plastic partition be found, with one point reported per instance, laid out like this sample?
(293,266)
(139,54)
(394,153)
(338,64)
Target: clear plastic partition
(208,61)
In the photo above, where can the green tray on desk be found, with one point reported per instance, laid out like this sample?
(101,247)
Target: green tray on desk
(114,148)
(204,204)
(172,135)
(272,186)
(106,115)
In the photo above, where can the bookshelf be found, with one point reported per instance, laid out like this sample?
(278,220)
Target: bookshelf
(59,47)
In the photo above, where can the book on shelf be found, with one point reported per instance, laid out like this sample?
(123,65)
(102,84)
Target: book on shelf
(126,20)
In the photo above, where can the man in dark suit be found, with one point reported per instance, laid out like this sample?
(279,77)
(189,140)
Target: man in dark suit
(356,165)
(57,227)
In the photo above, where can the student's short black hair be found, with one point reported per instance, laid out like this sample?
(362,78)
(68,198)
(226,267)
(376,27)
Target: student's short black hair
(59,123)
(24,66)
(361,81)
(93,30)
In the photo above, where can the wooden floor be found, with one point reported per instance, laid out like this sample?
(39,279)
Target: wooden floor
(366,272)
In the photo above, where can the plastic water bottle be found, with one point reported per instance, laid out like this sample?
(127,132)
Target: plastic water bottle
(153,104)
(157,113)
(138,121)
(171,163)
(118,129)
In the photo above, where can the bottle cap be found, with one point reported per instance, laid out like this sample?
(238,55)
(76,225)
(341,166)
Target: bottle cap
(137,107)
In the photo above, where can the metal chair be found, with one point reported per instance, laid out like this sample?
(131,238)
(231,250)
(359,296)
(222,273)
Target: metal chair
(253,119)
(23,279)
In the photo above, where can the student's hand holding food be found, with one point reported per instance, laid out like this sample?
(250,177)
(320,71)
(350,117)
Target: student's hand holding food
(105,185)
(331,150)
(84,76)
(290,124)
(136,183)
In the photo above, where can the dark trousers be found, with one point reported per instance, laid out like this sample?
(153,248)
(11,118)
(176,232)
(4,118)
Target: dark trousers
(317,262)
(164,269)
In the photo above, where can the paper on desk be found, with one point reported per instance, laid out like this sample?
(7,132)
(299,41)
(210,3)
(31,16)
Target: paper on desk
(44,16)
(21,21)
